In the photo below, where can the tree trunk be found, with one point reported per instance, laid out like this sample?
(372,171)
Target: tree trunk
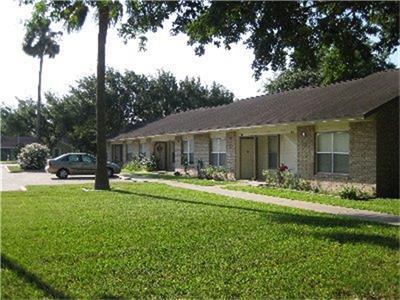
(101,181)
(39,103)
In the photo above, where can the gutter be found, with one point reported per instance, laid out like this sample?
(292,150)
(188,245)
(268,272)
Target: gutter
(236,128)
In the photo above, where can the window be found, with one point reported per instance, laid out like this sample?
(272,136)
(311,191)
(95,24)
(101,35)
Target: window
(88,159)
(273,151)
(188,151)
(143,149)
(218,152)
(116,152)
(74,158)
(129,151)
(333,152)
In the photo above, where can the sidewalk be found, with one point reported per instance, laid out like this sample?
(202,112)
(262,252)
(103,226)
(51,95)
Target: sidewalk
(316,207)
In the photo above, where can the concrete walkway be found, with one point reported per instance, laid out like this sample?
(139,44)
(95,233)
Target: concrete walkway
(316,207)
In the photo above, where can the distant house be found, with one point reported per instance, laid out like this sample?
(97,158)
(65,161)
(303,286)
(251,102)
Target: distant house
(9,145)
(346,132)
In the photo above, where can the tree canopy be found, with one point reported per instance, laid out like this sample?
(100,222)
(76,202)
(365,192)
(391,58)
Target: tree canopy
(131,101)
(281,34)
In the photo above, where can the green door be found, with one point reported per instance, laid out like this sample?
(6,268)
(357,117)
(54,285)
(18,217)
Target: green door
(247,158)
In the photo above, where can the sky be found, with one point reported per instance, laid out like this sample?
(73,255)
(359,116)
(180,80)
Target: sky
(78,53)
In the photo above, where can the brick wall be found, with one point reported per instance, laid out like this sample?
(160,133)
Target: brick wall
(305,151)
(362,158)
(202,149)
(387,121)
(231,153)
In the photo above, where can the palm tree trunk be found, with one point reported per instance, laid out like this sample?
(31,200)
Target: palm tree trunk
(39,103)
(101,181)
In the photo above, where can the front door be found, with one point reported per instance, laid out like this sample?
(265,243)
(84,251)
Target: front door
(160,151)
(247,158)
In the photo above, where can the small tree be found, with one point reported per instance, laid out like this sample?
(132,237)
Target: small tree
(33,157)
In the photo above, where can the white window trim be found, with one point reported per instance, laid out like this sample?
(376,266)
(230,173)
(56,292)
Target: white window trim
(332,133)
(218,152)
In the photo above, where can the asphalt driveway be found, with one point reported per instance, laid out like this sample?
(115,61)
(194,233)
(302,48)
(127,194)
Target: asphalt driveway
(16,181)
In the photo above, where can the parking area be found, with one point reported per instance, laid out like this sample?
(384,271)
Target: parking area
(16,181)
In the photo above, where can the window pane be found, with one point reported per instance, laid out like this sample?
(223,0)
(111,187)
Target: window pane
(273,144)
(87,159)
(73,158)
(222,145)
(341,163)
(341,142)
(324,163)
(191,146)
(143,149)
(191,158)
(215,145)
(272,160)
(324,142)
(129,148)
(214,159)
(222,159)
(185,146)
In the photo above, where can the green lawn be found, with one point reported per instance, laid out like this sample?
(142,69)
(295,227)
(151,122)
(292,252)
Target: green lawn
(185,179)
(391,206)
(150,240)
(6,162)
(15,169)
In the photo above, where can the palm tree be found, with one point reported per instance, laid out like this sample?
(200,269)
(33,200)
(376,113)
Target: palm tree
(40,41)
(74,13)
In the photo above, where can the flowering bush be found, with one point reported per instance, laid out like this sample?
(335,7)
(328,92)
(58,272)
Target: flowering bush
(141,163)
(283,177)
(212,172)
(33,156)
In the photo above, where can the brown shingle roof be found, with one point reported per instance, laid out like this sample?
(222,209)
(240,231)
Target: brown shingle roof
(348,99)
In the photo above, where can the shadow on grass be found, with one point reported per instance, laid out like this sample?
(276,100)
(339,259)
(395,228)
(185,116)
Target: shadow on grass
(73,177)
(31,278)
(361,238)
(291,218)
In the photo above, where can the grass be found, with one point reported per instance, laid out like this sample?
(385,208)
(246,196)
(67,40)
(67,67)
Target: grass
(185,179)
(154,241)
(8,162)
(391,206)
(15,169)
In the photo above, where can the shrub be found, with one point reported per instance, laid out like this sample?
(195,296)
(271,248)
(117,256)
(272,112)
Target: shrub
(141,163)
(289,180)
(212,172)
(271,178)
(133,165)
(33,156)
(351,192)
(305,185)
(283,177)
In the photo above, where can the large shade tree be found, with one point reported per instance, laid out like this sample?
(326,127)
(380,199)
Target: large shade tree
(40,41)
(281,34)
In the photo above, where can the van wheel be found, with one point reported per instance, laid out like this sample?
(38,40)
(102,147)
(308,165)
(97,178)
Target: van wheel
(110,172)
(62,173)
